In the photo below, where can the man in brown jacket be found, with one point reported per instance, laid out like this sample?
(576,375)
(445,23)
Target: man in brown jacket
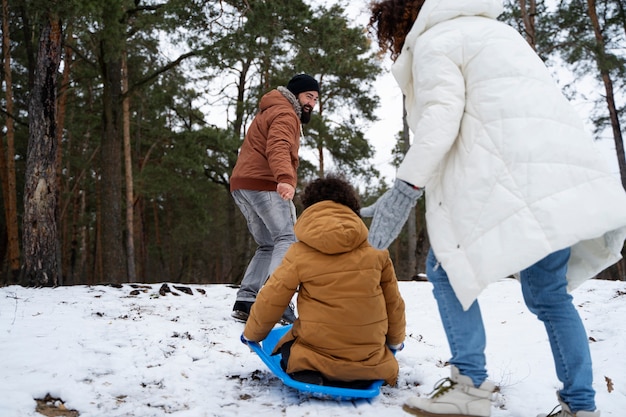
(264,179)
(351,313)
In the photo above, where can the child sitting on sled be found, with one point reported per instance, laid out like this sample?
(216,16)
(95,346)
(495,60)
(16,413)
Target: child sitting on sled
(351,313)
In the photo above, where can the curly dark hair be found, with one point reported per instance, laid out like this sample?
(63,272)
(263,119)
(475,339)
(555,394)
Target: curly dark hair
(333,187)
(391,21)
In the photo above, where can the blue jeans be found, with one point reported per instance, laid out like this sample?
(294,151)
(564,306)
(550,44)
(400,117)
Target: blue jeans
(545,292)
(270,222)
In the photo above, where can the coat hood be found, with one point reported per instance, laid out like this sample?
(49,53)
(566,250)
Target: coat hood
(436,11)
(330,228)
(432,13)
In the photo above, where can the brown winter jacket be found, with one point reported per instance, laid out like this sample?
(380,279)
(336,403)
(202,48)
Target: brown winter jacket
(348,301)
(269,153)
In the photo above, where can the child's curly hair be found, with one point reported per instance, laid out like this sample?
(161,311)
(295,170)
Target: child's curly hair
(391,21)
(333,187)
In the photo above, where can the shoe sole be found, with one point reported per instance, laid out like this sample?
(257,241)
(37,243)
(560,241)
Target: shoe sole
(421,413)
(243,318)
(240,316)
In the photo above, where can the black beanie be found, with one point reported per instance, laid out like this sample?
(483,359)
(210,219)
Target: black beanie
(301,83)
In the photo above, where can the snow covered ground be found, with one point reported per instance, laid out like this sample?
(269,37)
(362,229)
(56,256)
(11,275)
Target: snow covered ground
(138,351)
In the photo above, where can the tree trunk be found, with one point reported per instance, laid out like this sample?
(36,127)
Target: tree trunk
(412,222)
(112,43)
(238,125)
(113,258)
(608,88)
(140,239)
(67,61)
(142,204)
(320,156)
(41,240)
(7,165)
(128,165)
(63,224)
(97,267)
(528,17)
(82,241)
(157,237)
(617,271)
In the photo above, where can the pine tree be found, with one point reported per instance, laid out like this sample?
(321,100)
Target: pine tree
(40,234)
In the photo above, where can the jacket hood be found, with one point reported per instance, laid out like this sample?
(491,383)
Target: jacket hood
(432,13)
(330,228)
(436,11)
(277,98)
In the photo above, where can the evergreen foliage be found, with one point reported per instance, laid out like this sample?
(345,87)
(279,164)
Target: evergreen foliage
(196,72)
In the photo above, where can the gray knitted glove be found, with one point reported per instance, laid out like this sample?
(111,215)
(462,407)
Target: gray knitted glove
(390,212)
(369,210)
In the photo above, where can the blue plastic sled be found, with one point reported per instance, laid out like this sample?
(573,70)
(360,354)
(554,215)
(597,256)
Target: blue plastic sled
(264,350)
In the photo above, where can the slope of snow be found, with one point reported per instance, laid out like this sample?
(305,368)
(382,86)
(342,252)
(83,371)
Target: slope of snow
(137,350)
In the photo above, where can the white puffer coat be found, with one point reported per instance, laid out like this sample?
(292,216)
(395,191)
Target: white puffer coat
(510,173)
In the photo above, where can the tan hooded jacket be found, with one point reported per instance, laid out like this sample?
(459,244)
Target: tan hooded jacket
(348,302)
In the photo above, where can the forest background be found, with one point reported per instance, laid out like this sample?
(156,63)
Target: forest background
(114,169)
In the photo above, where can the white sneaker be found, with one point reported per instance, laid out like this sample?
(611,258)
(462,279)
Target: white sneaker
(454,397)
(566,412)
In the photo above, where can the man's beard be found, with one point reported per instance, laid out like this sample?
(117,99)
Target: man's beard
(305,116)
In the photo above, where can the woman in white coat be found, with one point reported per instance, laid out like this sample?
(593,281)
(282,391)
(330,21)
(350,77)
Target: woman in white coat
(514,185)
